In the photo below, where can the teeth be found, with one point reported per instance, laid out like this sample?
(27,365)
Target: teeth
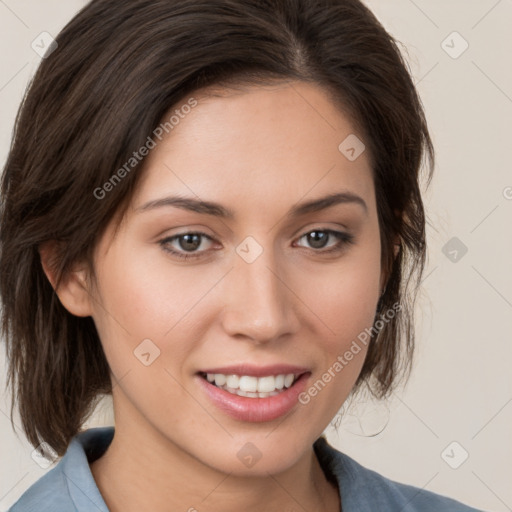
(249,384)
(288,380)
(232,381)
(279,382)
(254,387)
(220,379)
(266,384)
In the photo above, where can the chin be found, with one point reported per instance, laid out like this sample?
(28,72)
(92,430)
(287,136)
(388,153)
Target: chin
(273,451)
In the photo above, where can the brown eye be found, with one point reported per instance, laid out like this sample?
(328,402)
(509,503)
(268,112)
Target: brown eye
(318,239)
(188,243)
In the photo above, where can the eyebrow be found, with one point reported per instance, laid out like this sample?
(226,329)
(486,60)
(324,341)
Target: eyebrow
(217,210)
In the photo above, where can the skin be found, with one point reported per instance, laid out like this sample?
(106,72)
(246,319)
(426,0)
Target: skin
(257,151)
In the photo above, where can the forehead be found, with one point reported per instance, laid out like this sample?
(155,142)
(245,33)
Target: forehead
(278,143)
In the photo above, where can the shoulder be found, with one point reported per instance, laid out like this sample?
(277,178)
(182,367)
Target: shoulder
(70,484)
(364,489)
(383,492)
(48,494)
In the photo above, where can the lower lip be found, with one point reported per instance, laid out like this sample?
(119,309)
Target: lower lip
(255,409)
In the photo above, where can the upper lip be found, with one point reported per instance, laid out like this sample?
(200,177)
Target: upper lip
(257,371)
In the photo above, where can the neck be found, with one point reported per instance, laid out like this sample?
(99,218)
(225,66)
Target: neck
(143,470)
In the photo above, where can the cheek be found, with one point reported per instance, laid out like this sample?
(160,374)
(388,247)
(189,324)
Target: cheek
(148,300)
(343,300)
(158,302)
(344,296)
(346,312)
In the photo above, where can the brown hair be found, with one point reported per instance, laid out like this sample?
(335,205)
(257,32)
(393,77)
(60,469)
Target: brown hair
(118,69)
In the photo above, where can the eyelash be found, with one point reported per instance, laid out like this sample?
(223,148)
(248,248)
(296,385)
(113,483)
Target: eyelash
(345,239)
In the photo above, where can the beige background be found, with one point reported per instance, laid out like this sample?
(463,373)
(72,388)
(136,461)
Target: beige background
(461,389)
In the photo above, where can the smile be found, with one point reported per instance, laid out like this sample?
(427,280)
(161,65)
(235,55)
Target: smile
(251,386)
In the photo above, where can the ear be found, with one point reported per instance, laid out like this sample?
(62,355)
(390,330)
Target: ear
(73,289)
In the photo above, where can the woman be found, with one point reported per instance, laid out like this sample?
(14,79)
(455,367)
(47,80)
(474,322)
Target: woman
(212,210)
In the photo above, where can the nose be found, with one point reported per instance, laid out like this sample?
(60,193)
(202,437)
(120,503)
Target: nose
(260,303)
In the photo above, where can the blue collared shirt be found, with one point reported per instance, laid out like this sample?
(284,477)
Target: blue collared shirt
(70,486)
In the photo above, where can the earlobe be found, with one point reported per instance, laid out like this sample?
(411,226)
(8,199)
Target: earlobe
(73,289)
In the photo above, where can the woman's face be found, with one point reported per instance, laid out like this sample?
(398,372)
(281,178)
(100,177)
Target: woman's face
(270,289)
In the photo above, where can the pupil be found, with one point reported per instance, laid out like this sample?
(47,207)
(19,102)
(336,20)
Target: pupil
(317,239)
(190,244)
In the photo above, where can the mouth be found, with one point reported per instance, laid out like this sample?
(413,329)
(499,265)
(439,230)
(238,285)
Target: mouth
(254,394)
(251,386)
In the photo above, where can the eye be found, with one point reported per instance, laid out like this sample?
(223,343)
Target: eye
(189,243)
(319,237)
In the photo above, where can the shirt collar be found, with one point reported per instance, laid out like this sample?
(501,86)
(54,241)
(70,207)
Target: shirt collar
(84,449)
